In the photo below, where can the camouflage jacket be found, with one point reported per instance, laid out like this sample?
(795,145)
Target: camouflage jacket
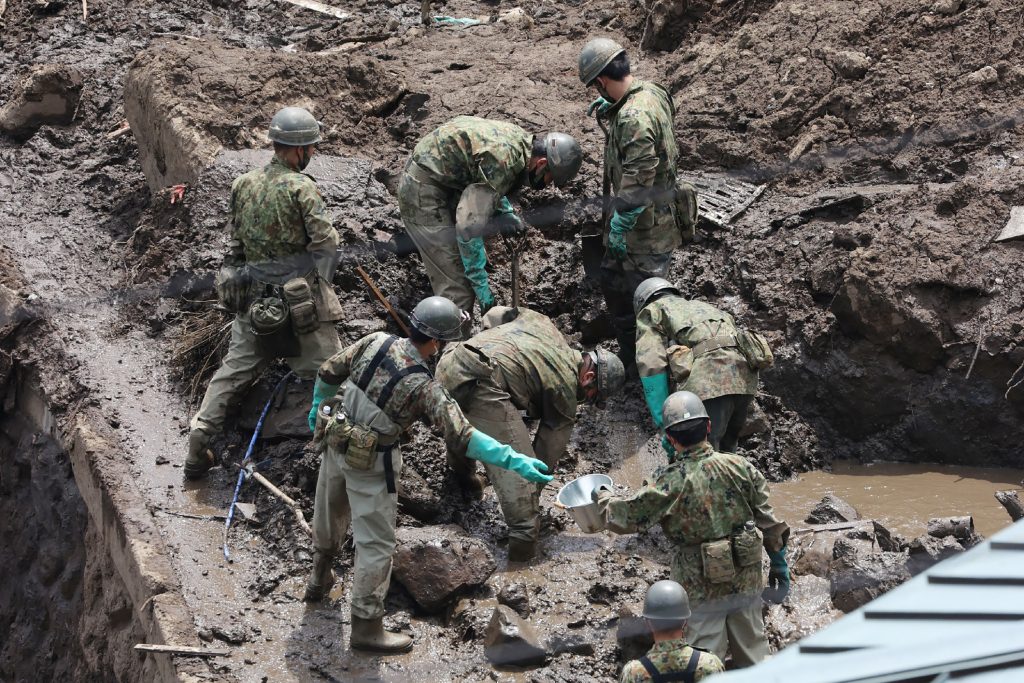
(673,320)
(640,156)
(417,396)
(279,224)
(469,150)
(672,656)
(701,496)
(538,369)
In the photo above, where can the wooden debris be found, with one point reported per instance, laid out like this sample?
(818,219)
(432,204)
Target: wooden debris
(85,10)
(1012,503)
(186,650)
(299,517)
(380,297)
(318,7)
(720,199)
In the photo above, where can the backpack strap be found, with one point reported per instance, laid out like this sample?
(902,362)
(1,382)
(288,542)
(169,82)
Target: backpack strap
(378,358)
(651,669)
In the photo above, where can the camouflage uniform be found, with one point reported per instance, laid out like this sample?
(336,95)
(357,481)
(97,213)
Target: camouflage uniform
(279,229)
(672,657)
(720,376)
(640,162)
(465,151)
(367,498)
(522,365)
(704,496)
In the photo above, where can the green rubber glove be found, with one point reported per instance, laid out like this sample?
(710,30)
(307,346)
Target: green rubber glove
(778,577)
(622,222)
(655,393)
(474,258)
(321,392)
(507,220)
(601,105)
(485,449)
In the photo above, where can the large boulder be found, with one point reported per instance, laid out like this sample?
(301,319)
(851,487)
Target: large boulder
(858,577)
(437,563)
(832,509)
(47,95)
(927,550)
(512,641)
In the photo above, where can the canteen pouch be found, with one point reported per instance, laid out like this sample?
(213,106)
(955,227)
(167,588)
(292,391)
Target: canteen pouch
(268,320)
(746,547)
(680,363)
(755,350)
(361,452)
(299,296)
(327,414)
(717,559)
(686,211)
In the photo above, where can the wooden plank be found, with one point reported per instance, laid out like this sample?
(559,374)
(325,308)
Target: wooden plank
(182,650)
(320,7)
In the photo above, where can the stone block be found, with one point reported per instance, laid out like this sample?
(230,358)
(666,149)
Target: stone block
(437,563)
(47,95)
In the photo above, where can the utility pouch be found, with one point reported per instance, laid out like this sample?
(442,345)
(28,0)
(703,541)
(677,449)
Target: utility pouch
(755,350)
(746,546)
(330,409)
(268,320)
(361,452)
(680,363)
(717,559)
(299,296)
(686,210)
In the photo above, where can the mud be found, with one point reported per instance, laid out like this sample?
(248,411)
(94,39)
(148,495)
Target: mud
(896,323)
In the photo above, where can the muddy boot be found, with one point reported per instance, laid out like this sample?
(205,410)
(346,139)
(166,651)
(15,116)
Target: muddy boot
(369,634)
(322,579)
(520,550)
(200,458)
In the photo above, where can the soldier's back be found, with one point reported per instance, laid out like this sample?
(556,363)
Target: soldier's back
(672,657)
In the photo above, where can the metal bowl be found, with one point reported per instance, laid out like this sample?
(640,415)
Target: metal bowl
(575,496)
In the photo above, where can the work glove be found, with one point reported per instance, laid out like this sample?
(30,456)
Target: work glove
(599,492)
(655,393)
(474,258)
(321,392)
(485,449)
(506,221)
(778,577)
(600,105)
(622,222)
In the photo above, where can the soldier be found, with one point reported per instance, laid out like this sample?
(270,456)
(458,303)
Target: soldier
(455,190)
(523,365)
(666,609)
(282,244)
(713,507)
(640,170)
(385,386)
(676,336)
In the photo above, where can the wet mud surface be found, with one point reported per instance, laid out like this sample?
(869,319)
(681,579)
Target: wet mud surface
(895,321)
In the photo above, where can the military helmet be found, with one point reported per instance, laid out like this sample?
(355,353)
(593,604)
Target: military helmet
(437,318)
(682,408)
(646,290)
(666,601)
(294,126)
(595,56)
(611,375)
(564,157)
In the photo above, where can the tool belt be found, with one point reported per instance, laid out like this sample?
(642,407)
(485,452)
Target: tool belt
(721,341)
(723,557)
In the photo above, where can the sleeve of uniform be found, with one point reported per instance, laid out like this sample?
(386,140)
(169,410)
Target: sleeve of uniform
(500,167)
(323,238)
(633,672)
(236,253)
(776,533)
(651,354)
(337,368)
(634,513)
(639,160)
(708,664)
(442,412)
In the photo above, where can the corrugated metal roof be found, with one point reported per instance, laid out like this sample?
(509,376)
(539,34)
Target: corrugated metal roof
(962,620)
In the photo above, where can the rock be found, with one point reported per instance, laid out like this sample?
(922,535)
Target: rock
(516,17)
(512,641)
(808,609)
(983,76)
(926,551)
(48,95)
(947,7)
(960,528)
(415,497)
(857,578)
(888,541)
(832,509)
(436,563)
(632,636)
(516,597)
(573,643)
(851,64)
(757,421)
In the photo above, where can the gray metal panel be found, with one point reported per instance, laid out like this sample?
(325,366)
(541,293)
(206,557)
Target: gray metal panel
(854,632)
(1011,538)
(921,599)
(1002,567)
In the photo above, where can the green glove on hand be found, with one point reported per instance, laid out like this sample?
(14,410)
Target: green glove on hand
(486,449)
(506,220)
(778,577)
(655,393)
(474,258)
(621,223)
(321,392)
(601,105)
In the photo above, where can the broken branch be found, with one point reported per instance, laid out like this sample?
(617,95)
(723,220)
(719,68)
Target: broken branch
(284,497)
(380,297)
(182,650)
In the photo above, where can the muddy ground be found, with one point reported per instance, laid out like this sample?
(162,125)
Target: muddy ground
(879,303)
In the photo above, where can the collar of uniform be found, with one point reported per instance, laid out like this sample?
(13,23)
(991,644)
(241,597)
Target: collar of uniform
(276,162)
(413,351)
(666,646)
(701,450)
(636,86)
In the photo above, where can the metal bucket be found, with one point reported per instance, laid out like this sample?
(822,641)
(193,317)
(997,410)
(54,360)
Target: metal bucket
(575,496)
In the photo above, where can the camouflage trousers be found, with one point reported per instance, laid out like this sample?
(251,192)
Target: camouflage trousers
(738,631)
(619,279)
(428,212)
(243,364)
(359,497)
(728,415)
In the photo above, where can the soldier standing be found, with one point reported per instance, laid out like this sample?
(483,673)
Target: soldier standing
(640,171)
(384,386)
(713,507)
(455,190)
(694,347)
(282,242)
(526,365)
(666,609)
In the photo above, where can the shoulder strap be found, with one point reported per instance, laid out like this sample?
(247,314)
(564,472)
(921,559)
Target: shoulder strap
(378,358)
(396,377)
(651,669)
(685,676)
(691,667)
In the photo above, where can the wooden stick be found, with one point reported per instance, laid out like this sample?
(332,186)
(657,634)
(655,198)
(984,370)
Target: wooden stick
(85,10)
(317,7)
(181,650)
(281,494)
(380,297)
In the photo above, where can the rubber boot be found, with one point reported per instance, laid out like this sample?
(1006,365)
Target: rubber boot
(369,634)
(322,579)
(520,550)
(200,458)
